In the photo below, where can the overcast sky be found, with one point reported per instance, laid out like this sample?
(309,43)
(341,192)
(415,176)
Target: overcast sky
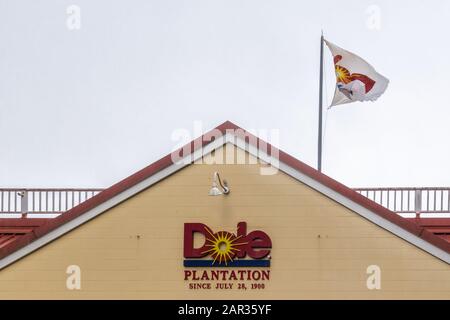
(87,107)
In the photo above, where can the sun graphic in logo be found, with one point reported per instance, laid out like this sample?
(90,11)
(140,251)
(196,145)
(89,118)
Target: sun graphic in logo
(224,246)
(342,74)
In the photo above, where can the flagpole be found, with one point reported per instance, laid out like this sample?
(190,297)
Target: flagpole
(319,145)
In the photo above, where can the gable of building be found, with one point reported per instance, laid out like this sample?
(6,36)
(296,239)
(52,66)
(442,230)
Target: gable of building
(321,248)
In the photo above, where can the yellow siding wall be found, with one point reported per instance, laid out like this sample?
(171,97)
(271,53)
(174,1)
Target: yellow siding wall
(320,249)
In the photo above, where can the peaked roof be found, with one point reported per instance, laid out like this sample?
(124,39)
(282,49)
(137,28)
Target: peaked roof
(40,235)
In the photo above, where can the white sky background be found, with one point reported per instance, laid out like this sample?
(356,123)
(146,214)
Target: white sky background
(88,107)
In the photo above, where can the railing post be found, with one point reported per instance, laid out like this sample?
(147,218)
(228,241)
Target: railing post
(418,202)
(24,203)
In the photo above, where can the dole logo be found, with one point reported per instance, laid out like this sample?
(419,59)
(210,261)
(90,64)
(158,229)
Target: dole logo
(226,249)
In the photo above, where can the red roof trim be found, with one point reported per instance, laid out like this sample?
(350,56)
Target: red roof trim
(437,226)
(16,229)
(19,222)
(166,161)
(431,222)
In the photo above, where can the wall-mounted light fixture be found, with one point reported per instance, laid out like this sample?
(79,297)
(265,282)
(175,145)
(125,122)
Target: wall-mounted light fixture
(217,182)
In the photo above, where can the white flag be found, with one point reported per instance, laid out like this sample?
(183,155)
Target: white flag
(356,80)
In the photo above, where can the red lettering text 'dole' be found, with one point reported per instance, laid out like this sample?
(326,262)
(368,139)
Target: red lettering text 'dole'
(226,249)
